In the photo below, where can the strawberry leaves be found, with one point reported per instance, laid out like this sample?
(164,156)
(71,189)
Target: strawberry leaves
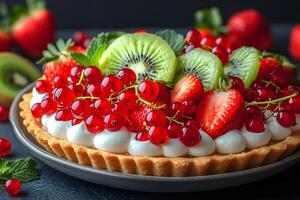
(23,169)
(209,19)
(54,52)
(174,39)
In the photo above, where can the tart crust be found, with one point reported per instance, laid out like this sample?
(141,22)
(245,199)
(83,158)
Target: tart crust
(156,166)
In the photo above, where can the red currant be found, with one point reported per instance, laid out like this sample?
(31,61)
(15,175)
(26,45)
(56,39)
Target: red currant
(253,112)
(101,107)
(80,38)
(77,89)
(266,67)
(93,90)
(238,84)
(156,118)
(111,85)
(92,74)
(94,124)
(193,122)
(286,118)
(177,109)
(250,95)
(142,136)
(76,121)
(174,130)
(281,77)
(190,136)
(12,186)
(113,122)
(265,94)
(193,37)
(36,111)
(120,109)
(80,109)
(127,76)
(48,106)
(128,99)
(5,147)
(294,103)
(63,96)
(3,113)
(189,108)
(158,135)
(208,41)
(64,115)
(75,73)
(148,90)
(221,53)
(42,86)
(255,125)
(222,42)
(59,81)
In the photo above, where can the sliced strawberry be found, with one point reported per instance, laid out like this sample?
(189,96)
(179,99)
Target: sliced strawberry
(137,117)
(219,112)
(188,88)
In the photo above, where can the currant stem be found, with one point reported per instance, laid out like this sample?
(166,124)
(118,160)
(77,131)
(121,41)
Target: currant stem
(254,103)
(146,102)
(87,97)
(172,119)
(81,78)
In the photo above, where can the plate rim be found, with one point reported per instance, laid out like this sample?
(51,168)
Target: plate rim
(35,149)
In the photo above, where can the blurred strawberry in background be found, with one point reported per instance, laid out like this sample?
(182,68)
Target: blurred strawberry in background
(32,26)
(294,45)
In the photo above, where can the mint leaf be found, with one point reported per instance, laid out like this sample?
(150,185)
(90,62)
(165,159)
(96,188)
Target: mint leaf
(281,58)
(81,59)
(23,169)
(209,18)
(99,45)
(174,39)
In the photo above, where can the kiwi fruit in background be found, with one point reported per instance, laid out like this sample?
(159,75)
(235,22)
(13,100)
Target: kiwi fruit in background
(203,64)
(148,55)
(244,64)
(15,73)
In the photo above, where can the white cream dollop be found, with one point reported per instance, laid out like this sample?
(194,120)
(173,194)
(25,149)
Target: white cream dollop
(231,142)
(205,147)
(58,128)
(174,148)
(79,134)
(278,132)
(255,140)
(36,97)
(115,142)
(143,148)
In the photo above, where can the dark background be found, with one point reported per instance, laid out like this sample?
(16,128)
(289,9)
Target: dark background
(83,14)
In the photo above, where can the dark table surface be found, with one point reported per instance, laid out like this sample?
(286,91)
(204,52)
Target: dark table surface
(55,185)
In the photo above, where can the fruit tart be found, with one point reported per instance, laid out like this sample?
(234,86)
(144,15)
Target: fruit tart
(140,103)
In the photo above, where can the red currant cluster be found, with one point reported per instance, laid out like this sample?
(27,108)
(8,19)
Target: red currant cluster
(106,102)
(283,103)
(220,46)
(12,186)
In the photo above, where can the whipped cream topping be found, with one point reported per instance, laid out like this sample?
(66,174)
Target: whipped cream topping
(278,132)
(256,140)
(231,142)
(122,141)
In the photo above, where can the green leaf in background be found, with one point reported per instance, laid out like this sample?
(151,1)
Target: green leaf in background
(282,59)
(174,39)
(23,169)
(209,18)
(81,59)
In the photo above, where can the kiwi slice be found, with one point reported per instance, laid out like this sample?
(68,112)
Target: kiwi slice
(205,65)
(15,73)
(244,63)
(146,54)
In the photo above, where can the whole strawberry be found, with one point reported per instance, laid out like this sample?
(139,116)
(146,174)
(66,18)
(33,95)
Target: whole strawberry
(33,28)
(250,28)
(294,46)
(5,41)
(58,61)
